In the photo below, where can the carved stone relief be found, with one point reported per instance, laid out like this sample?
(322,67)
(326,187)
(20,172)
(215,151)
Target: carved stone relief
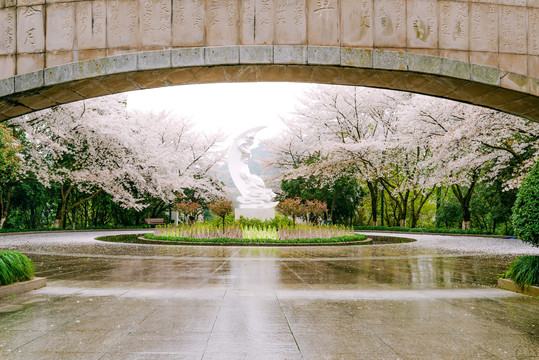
(290,22)
(389,23)
(30,29)
(188,17)
(453,25)
(222,22)
(422,24)
(357,22)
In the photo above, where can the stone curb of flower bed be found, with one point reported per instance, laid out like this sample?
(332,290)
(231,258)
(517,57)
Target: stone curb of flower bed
(167,242)
(22,287)
(509,284)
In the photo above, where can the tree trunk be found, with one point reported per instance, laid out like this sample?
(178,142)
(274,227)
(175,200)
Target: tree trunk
(4,204)
(333,206)
(464,200)
(413,217)
(422,200)
(374,202)
(59,219)
(438,198)
(403,208)
(62,209)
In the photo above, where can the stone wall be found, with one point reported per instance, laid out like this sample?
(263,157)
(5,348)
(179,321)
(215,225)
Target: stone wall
(497,33)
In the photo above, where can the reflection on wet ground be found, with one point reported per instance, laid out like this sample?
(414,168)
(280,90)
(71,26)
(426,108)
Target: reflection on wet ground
(122,301)
(416,272)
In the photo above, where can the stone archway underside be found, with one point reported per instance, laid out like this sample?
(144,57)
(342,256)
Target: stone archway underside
(481,52)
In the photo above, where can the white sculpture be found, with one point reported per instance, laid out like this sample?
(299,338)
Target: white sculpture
(254,194)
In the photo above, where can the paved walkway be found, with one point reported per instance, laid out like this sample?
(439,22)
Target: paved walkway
(432,299)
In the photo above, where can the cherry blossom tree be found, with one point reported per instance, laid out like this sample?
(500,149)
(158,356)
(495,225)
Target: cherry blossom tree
(354,131)
(410,144)
(98,145)
(470,144)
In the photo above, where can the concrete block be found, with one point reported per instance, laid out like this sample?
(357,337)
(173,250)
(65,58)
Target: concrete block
(290,54)
(61,94)
(29,81)
(59,74)
(390,60)
(7,86)
(187,57)
(89,88)
(356,57)
(486,75)
(121,63)
(256,54)
(222,55)
(36,101)
(424,63)
(456,69)
(10,110)
(533,86)
(21,287)
(154,60)
(509,284)
(89,69)
(514,81)
(118,83)
(324,55)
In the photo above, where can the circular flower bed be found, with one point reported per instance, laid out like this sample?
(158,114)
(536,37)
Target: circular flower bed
(351,240)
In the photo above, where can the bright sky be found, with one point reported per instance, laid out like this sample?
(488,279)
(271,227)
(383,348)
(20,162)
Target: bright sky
(230,108)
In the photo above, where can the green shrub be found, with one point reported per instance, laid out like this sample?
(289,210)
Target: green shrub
(341,239)
(524,271)
(423,230)
(526,209)
(276,222)
(15,267)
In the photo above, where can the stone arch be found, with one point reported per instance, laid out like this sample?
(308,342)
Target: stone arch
(484,53)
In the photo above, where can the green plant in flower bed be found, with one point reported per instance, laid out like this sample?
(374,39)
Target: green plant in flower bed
(524,271)
(344,239)
(260,233)
(15,267)
(235,231)
(276,222)
(199,230)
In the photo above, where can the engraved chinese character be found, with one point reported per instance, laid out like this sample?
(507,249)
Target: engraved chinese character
(30,36)
(281,11)
(324,5)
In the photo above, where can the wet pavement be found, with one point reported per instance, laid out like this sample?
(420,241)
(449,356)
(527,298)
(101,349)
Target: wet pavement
(431,299)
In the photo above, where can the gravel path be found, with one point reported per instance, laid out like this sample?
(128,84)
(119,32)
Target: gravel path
(467,244)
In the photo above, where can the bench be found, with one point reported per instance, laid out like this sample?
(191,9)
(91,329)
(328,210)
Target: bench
(153,222)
